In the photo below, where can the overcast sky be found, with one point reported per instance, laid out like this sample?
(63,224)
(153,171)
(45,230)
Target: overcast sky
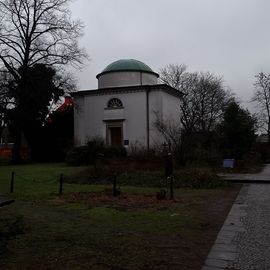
(226,37)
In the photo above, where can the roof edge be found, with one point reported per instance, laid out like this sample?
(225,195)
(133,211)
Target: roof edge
(170,89)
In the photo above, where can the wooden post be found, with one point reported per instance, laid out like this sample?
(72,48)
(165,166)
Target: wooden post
(114,186)
(61,184)
(12,182)
(171,188)
(168,165)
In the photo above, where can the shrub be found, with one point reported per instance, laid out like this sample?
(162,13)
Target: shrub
(187,178)
(77,156)
(95,149)
(113,151)
(205,179)
(199,178)
(137,150)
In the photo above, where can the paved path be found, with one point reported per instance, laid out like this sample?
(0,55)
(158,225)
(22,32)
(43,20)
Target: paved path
(263,176)
(243,243)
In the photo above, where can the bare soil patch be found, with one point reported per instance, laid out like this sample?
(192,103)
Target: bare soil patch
(188,248)
(125,201)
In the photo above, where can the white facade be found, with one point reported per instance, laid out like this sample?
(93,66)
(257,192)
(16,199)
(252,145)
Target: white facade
(93,118)
(123,111)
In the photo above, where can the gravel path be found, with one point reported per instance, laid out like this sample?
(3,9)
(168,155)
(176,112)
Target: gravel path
(243,243)
(253,244)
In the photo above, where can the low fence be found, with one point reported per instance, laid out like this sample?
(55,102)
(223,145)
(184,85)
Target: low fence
(14,177)
(57,183)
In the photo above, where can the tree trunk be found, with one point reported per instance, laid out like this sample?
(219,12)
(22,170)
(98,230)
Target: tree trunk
(268,130)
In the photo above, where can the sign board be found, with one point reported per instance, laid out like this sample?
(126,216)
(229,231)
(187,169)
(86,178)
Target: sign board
(228,163)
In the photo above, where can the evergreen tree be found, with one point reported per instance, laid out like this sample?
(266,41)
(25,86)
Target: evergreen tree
(237,131)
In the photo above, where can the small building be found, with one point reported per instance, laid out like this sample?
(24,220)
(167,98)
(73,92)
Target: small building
(125,106)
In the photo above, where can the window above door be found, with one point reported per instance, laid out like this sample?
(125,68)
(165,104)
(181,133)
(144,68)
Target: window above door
(114,103)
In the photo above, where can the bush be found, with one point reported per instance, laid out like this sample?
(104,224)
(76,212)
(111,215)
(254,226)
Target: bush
(78,156)
(198,178)
(186,178)
(251,163)
(113,151)
(94,150)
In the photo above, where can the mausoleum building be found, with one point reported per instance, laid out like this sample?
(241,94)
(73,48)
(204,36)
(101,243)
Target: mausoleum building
(125,106)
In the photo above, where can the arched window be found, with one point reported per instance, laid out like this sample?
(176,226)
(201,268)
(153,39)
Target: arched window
(115,103)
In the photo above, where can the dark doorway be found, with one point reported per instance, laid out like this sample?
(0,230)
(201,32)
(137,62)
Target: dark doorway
(116,136)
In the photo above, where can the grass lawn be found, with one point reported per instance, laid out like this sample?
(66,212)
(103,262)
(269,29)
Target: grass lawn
(88,229)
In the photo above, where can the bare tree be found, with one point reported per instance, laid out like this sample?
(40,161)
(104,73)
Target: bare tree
(38,31)
(262,99)
(169,129)
(5,99)
(173,75)
(176,76)
(210,101)
(35,32)
(204,100)
(188,115)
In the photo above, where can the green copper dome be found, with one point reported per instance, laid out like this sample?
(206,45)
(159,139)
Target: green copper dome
(127,65)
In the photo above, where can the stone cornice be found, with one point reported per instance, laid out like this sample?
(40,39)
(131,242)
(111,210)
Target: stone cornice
(129,89)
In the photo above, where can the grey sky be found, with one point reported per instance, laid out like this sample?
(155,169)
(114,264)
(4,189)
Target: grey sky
(226,37)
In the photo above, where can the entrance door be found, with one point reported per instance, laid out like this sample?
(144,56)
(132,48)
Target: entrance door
(116,136)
